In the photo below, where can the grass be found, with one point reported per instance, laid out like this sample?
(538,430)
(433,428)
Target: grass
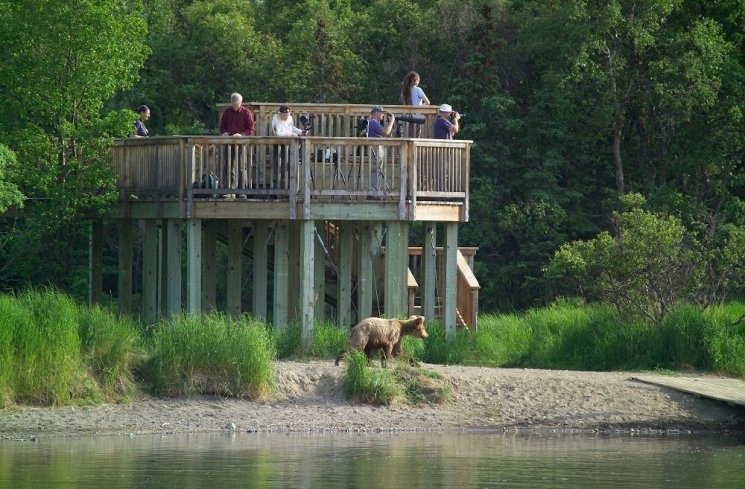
(54,352)
(384,386)
(575,336)
(210,354)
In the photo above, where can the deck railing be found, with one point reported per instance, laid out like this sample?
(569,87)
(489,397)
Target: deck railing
(297,169)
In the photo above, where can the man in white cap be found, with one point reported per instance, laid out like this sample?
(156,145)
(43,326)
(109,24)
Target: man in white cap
(446,125)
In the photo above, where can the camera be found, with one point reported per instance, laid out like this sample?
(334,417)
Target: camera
(412,118)
(362,127)
(453,114)
(306,120)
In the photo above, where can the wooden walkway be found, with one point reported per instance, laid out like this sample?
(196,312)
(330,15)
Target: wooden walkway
(731,391)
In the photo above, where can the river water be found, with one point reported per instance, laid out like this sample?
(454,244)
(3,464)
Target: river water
(345,460)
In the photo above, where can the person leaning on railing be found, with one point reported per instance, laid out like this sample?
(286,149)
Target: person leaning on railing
(412,94)
(236,121)
(446,125)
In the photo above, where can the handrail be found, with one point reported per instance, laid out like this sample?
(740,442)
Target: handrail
(297,169)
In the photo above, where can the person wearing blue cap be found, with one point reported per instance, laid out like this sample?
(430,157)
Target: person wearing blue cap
(375,127)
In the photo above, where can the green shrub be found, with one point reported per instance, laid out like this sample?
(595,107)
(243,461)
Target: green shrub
(211,354)
(8,313)
(48,364)
(364,384)
(109,344)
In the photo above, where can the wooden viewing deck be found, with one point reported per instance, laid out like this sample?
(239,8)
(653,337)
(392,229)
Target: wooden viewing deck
(327,211)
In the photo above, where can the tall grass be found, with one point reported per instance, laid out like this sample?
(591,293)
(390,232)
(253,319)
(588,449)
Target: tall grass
(56,352)
(373,386)
(576,336)
(328,339)
(211,354)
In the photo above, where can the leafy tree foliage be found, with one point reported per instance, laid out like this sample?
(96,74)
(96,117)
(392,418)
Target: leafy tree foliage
(569,104)
(61,61)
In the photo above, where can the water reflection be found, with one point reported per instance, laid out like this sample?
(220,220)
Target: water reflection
(374,460)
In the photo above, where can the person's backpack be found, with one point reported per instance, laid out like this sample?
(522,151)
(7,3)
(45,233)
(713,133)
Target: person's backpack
(210,181)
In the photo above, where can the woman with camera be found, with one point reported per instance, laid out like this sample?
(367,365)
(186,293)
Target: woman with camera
(446,125)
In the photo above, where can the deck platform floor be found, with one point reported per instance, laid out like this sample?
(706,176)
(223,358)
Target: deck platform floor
(729,390)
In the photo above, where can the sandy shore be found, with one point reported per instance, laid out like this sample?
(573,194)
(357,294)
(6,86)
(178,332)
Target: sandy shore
(309,398)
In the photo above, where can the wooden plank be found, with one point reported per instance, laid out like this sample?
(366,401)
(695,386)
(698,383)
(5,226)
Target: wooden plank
(364,271)
(344,254)
(209,265)
(395,269)
(450,271)
(308,298)
(194,266)
(729,390)
(429,264)
(234,271)
(260,268)
(319,282)
(281,268)
(173,266)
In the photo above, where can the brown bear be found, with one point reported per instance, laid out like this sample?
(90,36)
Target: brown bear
(378,333)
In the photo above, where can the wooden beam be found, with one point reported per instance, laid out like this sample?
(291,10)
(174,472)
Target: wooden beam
(308,297)
(319,282)
(150,272)
(364,271)
(234,272)
(260,269)
(395,270)
(450,279)
(95,262)
(173,267)
(344,253)
(194,266)
(124,279)
(209,265)
(428,272)
(281,265)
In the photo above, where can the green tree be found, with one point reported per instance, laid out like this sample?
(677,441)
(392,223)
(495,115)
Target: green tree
(9,193)
(60,63)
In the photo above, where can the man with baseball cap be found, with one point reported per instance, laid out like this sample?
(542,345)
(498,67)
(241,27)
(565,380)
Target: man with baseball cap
(375,128)
(446,125)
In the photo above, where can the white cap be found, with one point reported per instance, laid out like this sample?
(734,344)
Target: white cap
(445,108)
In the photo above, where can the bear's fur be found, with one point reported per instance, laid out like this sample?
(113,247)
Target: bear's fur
(372,334)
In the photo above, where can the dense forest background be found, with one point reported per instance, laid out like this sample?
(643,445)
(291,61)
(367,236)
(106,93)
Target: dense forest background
(609,118)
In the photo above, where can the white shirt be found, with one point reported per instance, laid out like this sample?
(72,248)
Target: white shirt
(417,96)
(284,127)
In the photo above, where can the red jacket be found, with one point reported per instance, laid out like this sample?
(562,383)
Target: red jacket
(237,122)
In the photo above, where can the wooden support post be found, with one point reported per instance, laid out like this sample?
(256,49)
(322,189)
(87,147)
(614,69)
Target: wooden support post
(173,266)
(344,247)
(162,268)
(308,297)
(194,266)
(209,265)
(293,271)
(450,278)
(364,272)
(95,262)
(319,284)
(281,266)
(395,270)
(150,272)
(124,286)
(235,246)
(429,267)
(260,269)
